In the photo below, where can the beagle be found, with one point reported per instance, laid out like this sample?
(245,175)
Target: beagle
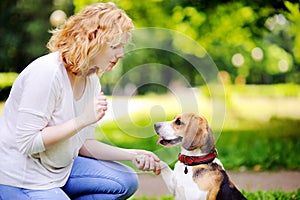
(198,173)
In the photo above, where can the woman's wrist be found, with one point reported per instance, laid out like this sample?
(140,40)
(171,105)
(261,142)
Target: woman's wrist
(131,154)
(80,123)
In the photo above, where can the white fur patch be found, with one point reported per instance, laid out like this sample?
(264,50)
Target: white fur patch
(166,131)
(184,183)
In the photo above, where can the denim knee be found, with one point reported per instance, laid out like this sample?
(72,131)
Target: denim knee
(98,179)
(11,193)
(131,185)
(127,186)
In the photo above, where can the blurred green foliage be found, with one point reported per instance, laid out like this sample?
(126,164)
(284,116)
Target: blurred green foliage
(271,91)
(24,30)
(6,81)
(255,42)
(264,34)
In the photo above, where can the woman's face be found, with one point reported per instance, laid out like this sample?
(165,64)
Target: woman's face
(106,59)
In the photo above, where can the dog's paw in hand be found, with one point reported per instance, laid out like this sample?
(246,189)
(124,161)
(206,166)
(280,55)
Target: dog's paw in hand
(157,171)
(139,161)
(147,163)
(163,165)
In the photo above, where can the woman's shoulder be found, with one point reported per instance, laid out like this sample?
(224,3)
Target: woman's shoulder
(44,71)
(49,61)
(45,66)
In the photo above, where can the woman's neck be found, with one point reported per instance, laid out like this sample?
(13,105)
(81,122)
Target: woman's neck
(78,85)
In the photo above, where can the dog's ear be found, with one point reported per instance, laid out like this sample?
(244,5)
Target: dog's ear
(198,134)
(193,132)
(208,140)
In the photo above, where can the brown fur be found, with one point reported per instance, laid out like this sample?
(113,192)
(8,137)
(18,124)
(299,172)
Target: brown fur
(208,178)
(196,134)
(195,131)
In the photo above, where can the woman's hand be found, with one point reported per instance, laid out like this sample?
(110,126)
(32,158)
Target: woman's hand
(94,111)
(146,161)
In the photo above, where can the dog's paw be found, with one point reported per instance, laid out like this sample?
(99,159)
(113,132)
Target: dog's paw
(180,193)
(163,165)
(157,171)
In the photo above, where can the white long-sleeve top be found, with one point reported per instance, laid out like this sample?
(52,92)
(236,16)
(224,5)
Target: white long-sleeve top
(41,96)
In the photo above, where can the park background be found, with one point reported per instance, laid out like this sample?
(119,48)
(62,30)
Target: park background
(255,46)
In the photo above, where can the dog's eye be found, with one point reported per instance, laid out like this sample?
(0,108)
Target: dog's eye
(178,122)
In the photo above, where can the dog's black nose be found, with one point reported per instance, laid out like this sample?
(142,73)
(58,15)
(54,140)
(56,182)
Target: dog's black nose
(157,126)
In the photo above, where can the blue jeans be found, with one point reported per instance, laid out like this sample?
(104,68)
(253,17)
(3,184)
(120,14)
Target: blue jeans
(89,180)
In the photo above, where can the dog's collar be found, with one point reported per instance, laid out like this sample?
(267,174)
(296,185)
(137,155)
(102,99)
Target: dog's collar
(198,160)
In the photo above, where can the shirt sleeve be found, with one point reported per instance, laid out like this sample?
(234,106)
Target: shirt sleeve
(29,138)
(36,106)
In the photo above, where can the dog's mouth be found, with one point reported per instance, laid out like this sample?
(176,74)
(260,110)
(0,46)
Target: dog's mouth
(170,142)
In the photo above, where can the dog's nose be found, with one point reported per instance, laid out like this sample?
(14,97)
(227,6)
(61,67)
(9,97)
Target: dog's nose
(157,126)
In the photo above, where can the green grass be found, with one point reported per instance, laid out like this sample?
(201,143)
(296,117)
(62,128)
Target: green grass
(271,146)
(259,195)
(272,195)
(260,129)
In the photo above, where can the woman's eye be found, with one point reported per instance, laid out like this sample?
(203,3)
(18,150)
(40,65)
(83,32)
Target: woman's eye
(178,122)
(117,46)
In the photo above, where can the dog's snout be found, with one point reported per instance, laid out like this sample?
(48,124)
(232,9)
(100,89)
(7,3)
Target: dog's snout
(157,126)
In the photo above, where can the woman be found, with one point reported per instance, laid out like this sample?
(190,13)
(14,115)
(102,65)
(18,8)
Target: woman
(47,145)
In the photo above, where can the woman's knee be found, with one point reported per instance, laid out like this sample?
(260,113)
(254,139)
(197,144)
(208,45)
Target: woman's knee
(96,177)
(127,179)
(15,193)
(10,193)
(131,183)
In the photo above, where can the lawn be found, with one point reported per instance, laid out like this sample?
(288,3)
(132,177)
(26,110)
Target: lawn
(260,195)
(260,129)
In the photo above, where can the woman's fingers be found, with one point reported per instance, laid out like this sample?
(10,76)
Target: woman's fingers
(150,154)
(139,161)
(147,163)
(100,106)
(157,168)
(151,166)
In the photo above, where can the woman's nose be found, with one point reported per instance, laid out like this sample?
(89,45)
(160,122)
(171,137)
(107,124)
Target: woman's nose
(120,54)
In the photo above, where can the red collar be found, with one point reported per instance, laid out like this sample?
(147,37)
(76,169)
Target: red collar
(197,160)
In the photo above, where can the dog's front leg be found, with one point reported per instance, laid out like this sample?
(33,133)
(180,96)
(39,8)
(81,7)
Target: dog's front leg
(167,175)
(180,193)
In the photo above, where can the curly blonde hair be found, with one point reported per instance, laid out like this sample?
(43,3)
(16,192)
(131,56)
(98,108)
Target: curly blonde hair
(83,35)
